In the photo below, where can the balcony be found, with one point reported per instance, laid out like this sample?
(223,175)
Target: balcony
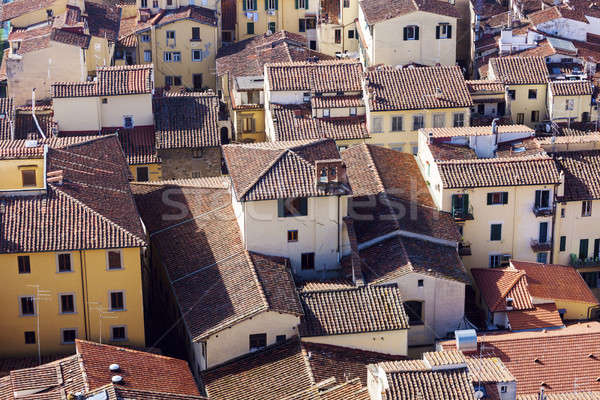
(579,263)
(543,211)
(538,246)
(464,248)
(462,215)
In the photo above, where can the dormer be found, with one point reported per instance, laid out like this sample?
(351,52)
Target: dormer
(330,172)
(23,168)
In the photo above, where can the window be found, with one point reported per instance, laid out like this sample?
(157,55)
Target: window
(293,207)
(176,81)
(418,122)
(532,94)
(591,278)
(377,124)
(271,4)
(351,34)
(248,124)
(249,5)
(481,109)
(168,80)
(411,32)
(415,149)
(338,36)
(542,199)
(28,177)
(583,249)
(145,38)
(280,339)
(459,120)
(147,56)
(308,261)
(439,120)
(196,55)
(68,336)
(396,124)
(250,28)
(172,81)
(460,205)
(67,304)
(195,33)
(562,212)
(312,44)
(118,333)
(495,260)
(292,236)
(272,27)
(520,118)
(535,116)
(420,283)
(258,341)
(302,25)
(302,4)
(569,104)
(29,337)
(170,35)
(169,2)
(326,112)
(495,232)
(542,257)
(144,4)
(176,56)
(117,301)
(154,3)
(49,13)
(27,305)
(596,253)
(142,174)
(24,265)
(443,31)
(64,262)
(503,389)
(497,198)
(168,56)
(114,259)
(586,208)
(353,111)
(346,3)
(105,101)
(127,121)
(512,95)
(563,243)
(414,310)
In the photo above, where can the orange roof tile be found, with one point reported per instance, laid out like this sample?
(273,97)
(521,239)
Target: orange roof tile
(496,285)
(542,316)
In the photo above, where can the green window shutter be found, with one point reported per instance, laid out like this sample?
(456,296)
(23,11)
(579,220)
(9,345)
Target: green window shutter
(296,4)
(416,33)
(583,249)
(437,32)
(489,198)
(563,243)
(250,28)
(543,234)
(466,203)
(538,198)
(306,4)
(277,4)
(255,4)
(266,4)
(280,208)
(596,248)
(244,5)
(504,197)
(496,232)
(449,31)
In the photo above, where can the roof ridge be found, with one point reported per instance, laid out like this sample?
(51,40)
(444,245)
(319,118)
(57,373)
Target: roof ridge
(520,275)
(256,279)
(94,212)
(381,186)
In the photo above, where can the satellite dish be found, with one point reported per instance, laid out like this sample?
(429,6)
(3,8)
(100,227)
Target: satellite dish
(479,394)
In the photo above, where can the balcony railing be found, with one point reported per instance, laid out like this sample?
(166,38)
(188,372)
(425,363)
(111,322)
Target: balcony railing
(543,211)
(588,262)
(537,246)
(462,215)
(464,248)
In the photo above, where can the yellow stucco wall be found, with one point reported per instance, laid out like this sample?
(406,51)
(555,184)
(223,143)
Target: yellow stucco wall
(388,342)
(524,105)
(326,32)
(185,68)
(557,107)
(407,138)
(98,54)
(154,171)
(574,310)
(94,281)
(575,227)
(58,7)
(285,18)
(10,171)
(259,124)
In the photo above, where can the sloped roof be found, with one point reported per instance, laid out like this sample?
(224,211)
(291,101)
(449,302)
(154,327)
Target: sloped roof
(498,284)
(187,121)
(555,282)
(541,316)
(103,19)
(393,89)
(323,76)
(520,70)
(17,8)
(277,170)
(581,169)
(7,111)
(571,88)
(210,271)
(381,10)
(356,310)
(79,213)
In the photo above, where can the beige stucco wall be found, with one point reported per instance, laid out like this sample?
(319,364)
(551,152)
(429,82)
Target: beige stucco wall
(98,54)
(387,342)
(138,106)
(326,32)
(234,341)
(58,7)
(77,113)
(581,104)
(575,227)
(10,171)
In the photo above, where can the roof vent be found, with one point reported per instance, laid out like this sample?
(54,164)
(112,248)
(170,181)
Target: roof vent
(114,367)
(116,379)
(591,355)
(31,143)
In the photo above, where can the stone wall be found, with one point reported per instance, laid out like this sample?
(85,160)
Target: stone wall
(190,163)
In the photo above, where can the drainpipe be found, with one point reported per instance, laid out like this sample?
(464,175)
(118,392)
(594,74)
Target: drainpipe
(84,296)
(33,114)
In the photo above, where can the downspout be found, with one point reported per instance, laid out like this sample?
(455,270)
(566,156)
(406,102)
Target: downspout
(554,228)
(339,235)
(84,295)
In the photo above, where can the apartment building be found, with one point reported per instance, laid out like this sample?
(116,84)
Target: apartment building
(75,272)
(498,183)
(570,101)
(337,32)
(400,101)
(420,32)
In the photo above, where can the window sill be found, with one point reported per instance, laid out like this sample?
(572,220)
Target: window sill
(64,272)
(68,313)
(119,340)
(195,40)
(115,269)
(117,310)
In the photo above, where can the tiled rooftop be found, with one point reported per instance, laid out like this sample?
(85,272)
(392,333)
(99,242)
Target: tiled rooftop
(571,88)
(581,169)
(476,131)
(496,285)
(325,76)
(541,316)
(382,10)
(520,70)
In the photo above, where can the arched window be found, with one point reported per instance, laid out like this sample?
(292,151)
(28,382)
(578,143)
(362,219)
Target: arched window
(414,310)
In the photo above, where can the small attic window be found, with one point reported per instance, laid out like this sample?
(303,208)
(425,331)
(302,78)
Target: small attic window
(104,100)
(49,13)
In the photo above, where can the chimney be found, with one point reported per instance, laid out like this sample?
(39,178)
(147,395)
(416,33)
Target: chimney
(55,177)
(495,130)
(438,93)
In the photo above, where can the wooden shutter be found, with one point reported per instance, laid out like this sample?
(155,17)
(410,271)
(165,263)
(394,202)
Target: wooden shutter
(266,4)
(504,197)
(303,206)
(538,198)
(583,249)
(277,4)
(281,208)
(449,32)
(563,243)
(596,248)
(296,4)
(244,5)
(416,33)
(306,4)
(405,32)
(437,32)
(465,204)
(489,198)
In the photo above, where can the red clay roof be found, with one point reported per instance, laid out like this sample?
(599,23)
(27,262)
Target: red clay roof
(555,282)
(542,316)
(323,76)
(498,284)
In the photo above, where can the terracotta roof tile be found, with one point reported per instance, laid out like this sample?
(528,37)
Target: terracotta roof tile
(270,374)
(476,131)
(103,19)
(485,86)
(277,170)
(555,282)
(19,7)
(7,111)
(417,88)
(541,316)
(138,145)
(356,310)
(556,357)
(498,284)
(293,122)
(581,169)
(381,10)
(187,121)
(95,177)
(488,369)
(325,76)
(562,396)
(520,70)
(127,32)
(571,88)
(349,390)
(444,358)
(337,101)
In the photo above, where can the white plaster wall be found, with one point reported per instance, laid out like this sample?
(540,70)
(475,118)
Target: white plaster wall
(388,342)
(565,28)
(138,106)
(278,97)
